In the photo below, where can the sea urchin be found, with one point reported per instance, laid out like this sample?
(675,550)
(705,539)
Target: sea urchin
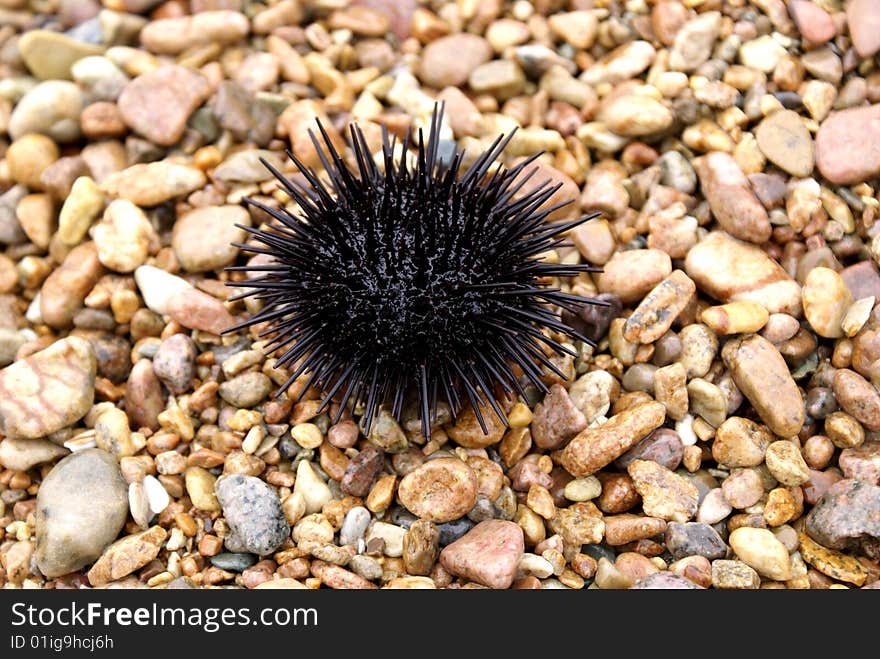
(412,280)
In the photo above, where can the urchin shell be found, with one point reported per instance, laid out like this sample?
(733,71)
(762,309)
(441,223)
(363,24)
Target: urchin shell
(412,280)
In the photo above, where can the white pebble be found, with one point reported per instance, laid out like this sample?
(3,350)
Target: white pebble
(685,430)
(159,499)
(157,287)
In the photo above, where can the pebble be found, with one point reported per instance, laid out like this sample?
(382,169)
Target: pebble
(762,551)
(556,419)
(659,309)
(175,363)
(731,270)
(785,462)
(253,512)
(636,115)
(694,41)
(354,525)
(622,63)
(392,537)
(50,108)
(248,119)
(664,494)
(171,36)
(857,397)
(466,430)
(158,103)
(634,273)
(598,446)
(150,184)
(762,53)
(200,485)
(847,147)
(734,205)
(694,539)
(246,167)
(81,506)
(743,317)
(124,237)
(311,487)
(664,581)
(714,507)
(813,22)
(622,529)
(28,157)
(740,442)
(734,575)
(362,471)
(197,310)
(80,209)
(762,375)
(662,446)
(501,78)
(449,61)
(826,300)
(158,286)
(127,555)
(440,490)
(202,238)
(847,510)
(860,463)
(864,26)
(489,554)
(785,141)
(246,390)
(65,289)
(565,197)
(233,562)
(48,390)
(49,55)
(23,454)
(743,488)
(833,563)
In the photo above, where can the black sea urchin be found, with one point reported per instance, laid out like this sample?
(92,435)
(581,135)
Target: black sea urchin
(412,279)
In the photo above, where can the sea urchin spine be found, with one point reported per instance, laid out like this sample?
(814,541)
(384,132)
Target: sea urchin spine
(412,280)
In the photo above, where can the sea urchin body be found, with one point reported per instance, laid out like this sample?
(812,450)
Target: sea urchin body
(412,280)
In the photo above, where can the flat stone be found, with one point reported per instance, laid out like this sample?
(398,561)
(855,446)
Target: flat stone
(152,183)
(197,310)
(694,539)
(813,22)
(762,375)
(734,205)
(202,238)
(440,490)
(51,108)
(556,419)
(488,554)
(24,454)
(656,313)
(731,270)
(864,26)
(127,555)
(595,447)
(170,36)
(848,145)
(157,104)
(65,289)
(785,141)
(49,55)
(49,390)
(81,507)
(631,274)
(694,42)
(449,61)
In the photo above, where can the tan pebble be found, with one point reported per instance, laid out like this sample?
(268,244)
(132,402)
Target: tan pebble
(760,549)
(671,390)
(656,313)
(826,300)
(664,494)
(735,317)
(785,462)
(440,490)
(856,316)
(596,447)
(844,430)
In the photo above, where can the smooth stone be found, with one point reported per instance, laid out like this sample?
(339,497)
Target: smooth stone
(762,551)
(24,454)
(202,238)
(48,390)
(171,36)
(158,103)
(488,554)
(785,141)
(848,145)
(81,507)
(123,237)
(150,184)
(848,510)
(694,539)
(175,363)
(233,562)
(197,310)
(127,555)
(50,55)
(51,108)
(315,491)
(65,289)
(448,61)
(157,287)
(863,20)
(734,205)
(731,270)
